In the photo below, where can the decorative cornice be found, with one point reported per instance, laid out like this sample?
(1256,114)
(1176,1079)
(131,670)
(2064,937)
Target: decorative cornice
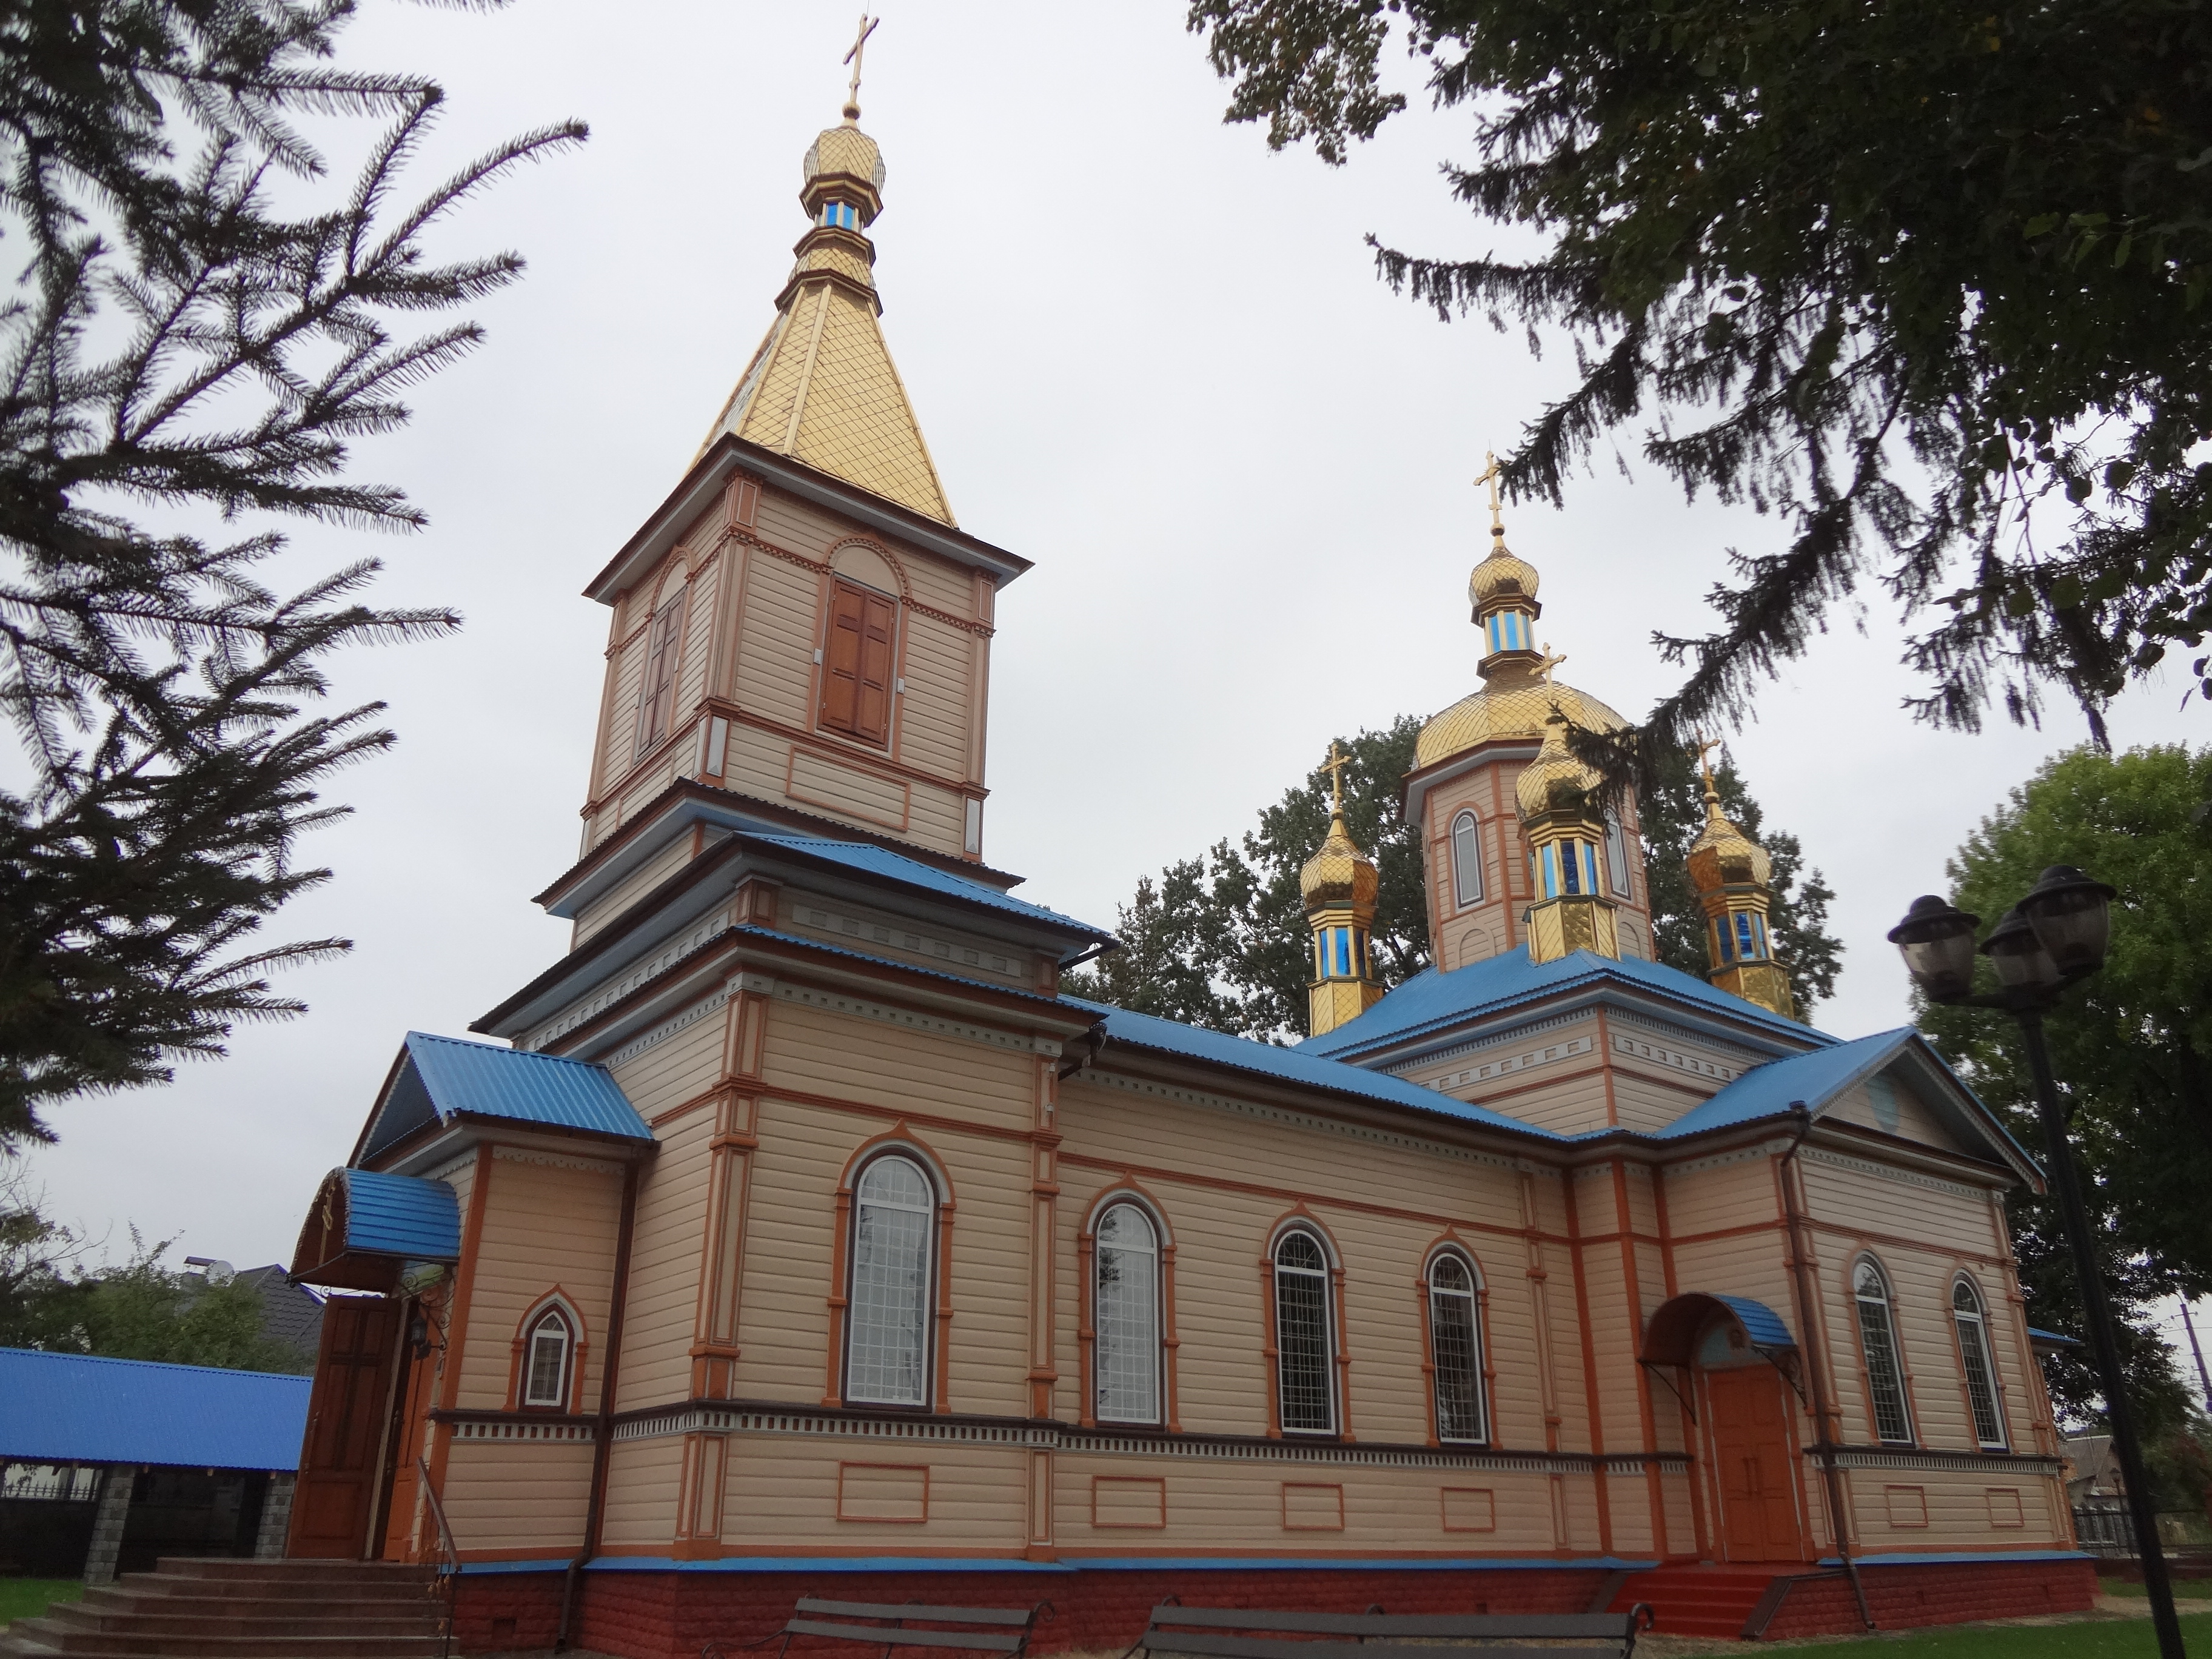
(555,1160)
(1912,1457)
(1867,1166)
(1514,1065)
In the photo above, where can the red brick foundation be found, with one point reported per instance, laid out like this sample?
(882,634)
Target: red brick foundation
(1937,1593)
(670,1614)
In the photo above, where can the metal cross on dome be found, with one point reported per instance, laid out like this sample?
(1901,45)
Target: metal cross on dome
(1548,662)
(1489,474)
(867,27)
(1335,765)
(1701,746)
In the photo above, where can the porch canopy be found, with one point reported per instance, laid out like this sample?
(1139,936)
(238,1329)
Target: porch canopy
(365,1228)
(1671,1339)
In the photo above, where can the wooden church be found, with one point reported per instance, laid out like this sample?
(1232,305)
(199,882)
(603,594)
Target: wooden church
(794,1233)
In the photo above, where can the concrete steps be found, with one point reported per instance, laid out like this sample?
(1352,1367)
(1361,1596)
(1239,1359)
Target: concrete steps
(1699,1600)
(226,1609)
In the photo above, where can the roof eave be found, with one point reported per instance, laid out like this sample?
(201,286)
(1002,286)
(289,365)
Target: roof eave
(728,455)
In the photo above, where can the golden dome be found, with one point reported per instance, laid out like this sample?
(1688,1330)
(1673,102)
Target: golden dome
(1338,873)
(1723,856)
(1502,576)
(1555,782)
(1513,705)
(845,149)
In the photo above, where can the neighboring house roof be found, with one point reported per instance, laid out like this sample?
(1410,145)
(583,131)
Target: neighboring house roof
(2051,1340)
(291,1314)
(1293,1066)
(883,864)
(2091,1455)
(438,1079)
(80,1408)
(1434,999)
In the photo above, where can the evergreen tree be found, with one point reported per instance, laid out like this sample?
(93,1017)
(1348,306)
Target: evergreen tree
(1899,276)
(194,340)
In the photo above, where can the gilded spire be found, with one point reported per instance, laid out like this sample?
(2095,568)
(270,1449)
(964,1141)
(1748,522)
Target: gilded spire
(822,387)
(1339,883)
(1731,872)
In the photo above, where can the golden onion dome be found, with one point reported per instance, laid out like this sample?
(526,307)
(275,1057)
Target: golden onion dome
(1338,873)
(845,149)
(1555,782)
(1514,706)
(1723,856)
(1502,576)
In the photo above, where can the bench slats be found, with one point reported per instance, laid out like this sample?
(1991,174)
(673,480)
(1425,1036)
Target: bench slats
(1262,1647)
(884,1636)
(919,1610)
(1608,1626)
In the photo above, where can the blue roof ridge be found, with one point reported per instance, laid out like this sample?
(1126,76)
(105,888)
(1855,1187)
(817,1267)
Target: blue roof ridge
(867,856)
(155,1364)
(504,1048)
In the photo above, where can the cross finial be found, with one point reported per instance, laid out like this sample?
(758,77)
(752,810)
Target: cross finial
(1335,765)
(859,45)
(1489,474)
(1548,662)
(1701,746)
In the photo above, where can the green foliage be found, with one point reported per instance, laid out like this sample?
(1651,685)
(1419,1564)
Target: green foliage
(1897,276)
(182,350)
(2131,1045)
(1221,941)
(1672,813)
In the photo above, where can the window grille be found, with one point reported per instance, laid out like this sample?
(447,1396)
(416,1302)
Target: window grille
(1455,1345)
(1301,1335)
(1877,1340)
(886,1355)
(1974,1356)
(546,1358)
(1127,1357)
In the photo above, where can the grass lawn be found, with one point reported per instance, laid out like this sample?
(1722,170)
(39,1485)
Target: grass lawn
(2184,1588)
(26,1598)
(2093,1638)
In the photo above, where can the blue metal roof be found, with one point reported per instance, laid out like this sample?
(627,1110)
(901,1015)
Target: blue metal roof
(1432,998)
(484,1080)
(1760,1322)
(1766,1090)
(2051,1339)
(77,1408)
(888,865)
(401,1215)
(1294,1065)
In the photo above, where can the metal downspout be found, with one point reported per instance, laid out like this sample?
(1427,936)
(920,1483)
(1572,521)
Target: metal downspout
(595,1510)
(1823,1443)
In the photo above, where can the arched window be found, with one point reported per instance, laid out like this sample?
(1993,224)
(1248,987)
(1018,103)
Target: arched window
(1878,1341)
(1456,1348)
(886,1354)
(545,1355)
(1974,1357)
(1616,855)
(1304,1347)
(656,697)
(1467,859)
(1126,1316)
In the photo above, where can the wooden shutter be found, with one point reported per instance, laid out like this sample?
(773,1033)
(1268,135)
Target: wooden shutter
(856,663)
(657,701)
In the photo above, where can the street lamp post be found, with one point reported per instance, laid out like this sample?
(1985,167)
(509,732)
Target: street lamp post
(2057,934)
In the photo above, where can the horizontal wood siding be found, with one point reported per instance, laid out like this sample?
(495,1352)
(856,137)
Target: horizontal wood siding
(544,1228)
(661,1321)
(503,1496)
(644,1478)
(933,714)
(775,655)
(781,1497)
(626,893)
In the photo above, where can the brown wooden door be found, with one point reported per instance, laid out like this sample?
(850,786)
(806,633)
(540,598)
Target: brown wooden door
(337,1488)
(856,679)
(1752,1455)
(411,1417)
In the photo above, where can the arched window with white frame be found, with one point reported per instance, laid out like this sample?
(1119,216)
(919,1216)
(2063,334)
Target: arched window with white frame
(1617,877)
(1892,1421)
(1974,1359)
(1305,1346)
(548,1350)
(1467,859)
(1125,1316)
(887,1332)
(1456,1348)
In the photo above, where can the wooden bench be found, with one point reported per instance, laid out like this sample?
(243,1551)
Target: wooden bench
(1180,1633)
(888,1625)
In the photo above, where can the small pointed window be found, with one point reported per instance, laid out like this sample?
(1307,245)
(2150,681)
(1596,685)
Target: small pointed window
(545,1354)
(1467,859)
(1974,1357)
(1127,1316)
(1304,1348)
(1878,1342)
(1455,1349)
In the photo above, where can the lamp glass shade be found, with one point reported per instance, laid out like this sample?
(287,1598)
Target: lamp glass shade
(1937,942)
(2072,916)
(2021,963)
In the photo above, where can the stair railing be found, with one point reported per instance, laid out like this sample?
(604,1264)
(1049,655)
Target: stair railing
(449,1560)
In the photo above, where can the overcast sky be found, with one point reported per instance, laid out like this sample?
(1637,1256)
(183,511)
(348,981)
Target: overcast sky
(1147,354)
